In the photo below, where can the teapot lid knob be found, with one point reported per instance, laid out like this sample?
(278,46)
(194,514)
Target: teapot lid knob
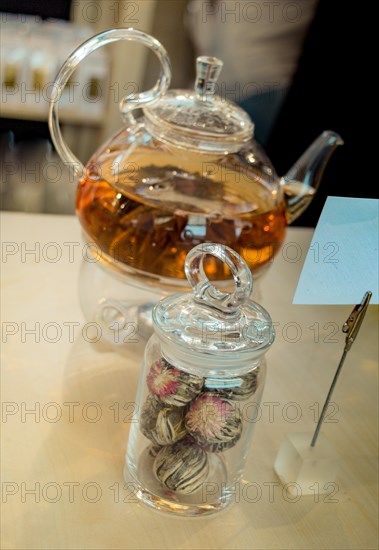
(207,72)
(200,119)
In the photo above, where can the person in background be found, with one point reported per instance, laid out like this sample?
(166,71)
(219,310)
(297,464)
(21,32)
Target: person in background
(322,88)
(260,44)
(328,93)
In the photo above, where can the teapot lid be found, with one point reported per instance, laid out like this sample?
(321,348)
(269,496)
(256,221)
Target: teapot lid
(200,118)
(210,331)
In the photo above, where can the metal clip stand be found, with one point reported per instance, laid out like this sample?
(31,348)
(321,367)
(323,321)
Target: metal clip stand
(351,327)
(302,466)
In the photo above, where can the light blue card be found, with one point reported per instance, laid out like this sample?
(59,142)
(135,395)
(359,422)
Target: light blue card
(342,260)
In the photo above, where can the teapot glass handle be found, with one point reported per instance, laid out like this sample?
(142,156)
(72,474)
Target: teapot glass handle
(126,104)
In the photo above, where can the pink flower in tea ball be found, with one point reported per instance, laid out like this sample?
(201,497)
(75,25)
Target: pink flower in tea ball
(163,380)
(208,416)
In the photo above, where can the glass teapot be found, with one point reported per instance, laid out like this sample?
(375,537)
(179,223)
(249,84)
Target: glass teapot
(187,171)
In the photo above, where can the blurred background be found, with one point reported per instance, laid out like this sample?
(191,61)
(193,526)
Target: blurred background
(287,63)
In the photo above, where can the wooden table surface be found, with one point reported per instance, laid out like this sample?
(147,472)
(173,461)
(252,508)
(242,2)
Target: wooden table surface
(66,406)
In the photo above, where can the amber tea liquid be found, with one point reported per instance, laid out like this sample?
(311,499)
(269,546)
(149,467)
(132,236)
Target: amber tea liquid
(155,240)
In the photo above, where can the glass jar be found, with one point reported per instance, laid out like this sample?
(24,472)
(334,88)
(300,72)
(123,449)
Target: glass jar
(199,391)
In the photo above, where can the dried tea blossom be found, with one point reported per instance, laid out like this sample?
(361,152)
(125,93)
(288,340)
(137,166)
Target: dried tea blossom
(239,388)
(214,422)
(171,385)
(182,467)
(162,424)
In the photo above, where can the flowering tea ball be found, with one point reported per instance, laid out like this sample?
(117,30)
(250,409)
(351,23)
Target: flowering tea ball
(162,424)
(182,467)
(214,422)
(238,388)
(171,385)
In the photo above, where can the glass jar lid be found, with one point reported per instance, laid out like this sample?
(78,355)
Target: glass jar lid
(200,118)
(210,331)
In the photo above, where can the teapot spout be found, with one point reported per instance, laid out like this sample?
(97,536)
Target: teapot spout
(303,179)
